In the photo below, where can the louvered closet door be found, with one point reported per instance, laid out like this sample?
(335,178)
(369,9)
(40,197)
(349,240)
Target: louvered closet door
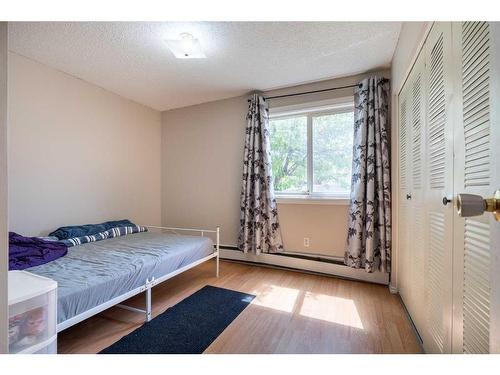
(417,219)
(404,284)
(412,181)
(438,187)
(477,133)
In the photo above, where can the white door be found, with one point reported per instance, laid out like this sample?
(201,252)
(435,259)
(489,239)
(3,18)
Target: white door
(404,191)
(416,219)
(476,327)
(410,182)
(438,189)
(411,199)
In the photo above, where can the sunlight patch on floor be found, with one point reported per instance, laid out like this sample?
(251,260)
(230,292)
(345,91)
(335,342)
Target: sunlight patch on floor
(277,297)
(331,309)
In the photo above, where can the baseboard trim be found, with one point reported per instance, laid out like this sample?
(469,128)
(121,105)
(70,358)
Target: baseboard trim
(326,268)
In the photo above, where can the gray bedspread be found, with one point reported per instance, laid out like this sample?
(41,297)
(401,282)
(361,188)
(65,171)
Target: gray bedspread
(96,272)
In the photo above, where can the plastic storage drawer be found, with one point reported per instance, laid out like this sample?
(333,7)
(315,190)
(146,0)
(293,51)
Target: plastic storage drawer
(32,313)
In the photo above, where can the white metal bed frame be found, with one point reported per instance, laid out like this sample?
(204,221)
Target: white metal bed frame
(149,283)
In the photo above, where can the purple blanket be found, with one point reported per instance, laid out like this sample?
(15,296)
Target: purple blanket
(25,252)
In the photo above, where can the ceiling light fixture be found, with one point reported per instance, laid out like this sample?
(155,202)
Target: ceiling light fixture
(186,48)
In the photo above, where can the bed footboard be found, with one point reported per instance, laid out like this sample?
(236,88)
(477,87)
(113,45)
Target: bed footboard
(202,233)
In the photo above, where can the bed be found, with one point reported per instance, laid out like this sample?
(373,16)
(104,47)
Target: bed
(97,275)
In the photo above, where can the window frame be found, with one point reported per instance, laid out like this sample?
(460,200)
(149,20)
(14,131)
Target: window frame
(310,111)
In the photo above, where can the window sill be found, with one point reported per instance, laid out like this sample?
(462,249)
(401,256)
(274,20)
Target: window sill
(307,199)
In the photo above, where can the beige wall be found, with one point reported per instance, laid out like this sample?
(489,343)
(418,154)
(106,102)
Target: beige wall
(3,190)
(77,153)
(202,152)
(202,149)
(324,225)
(410,40)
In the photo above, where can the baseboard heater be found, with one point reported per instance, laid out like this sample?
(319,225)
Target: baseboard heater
(314,257)
(300,262)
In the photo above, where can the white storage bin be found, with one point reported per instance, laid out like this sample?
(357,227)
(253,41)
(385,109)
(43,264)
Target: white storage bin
(32,313)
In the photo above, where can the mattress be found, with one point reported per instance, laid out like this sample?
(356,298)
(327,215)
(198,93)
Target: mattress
(96,272)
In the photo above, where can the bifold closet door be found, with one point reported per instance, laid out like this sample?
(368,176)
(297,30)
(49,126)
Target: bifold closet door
(411,203)
(404,270)
(438,190)
(477,168)
(417,218)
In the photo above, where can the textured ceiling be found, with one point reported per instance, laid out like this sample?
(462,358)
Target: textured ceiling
(132,60)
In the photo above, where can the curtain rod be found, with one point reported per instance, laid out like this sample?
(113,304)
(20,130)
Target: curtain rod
(383,80)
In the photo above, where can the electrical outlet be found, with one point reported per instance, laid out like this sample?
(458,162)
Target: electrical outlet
(306,241)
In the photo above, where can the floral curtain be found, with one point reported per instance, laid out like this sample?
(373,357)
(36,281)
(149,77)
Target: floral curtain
(369,233)
(259,227)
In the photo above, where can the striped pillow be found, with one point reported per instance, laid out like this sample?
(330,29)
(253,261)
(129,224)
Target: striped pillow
(110,233)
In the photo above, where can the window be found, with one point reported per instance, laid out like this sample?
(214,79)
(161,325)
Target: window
(311,149)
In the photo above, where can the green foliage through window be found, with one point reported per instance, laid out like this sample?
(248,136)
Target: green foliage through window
(289,154)
(332,140)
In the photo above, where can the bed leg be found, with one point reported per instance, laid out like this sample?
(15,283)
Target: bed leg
(148,304)
(217,259)
(217,269)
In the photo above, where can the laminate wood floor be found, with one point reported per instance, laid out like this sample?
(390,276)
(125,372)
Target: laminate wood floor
(293,313)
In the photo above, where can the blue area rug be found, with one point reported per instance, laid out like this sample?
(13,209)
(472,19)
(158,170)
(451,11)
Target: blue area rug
(188,327)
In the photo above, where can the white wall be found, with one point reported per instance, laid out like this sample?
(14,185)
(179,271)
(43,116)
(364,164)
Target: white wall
(3,191)
(77,153)
(202,155)
(410,41)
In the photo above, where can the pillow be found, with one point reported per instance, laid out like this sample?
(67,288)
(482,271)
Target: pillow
(111,233)
(71,231)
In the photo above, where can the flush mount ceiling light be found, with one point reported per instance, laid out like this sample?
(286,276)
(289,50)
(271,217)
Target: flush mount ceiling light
(187,47)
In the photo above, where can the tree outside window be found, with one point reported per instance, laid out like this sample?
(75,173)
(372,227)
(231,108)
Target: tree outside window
(321,142)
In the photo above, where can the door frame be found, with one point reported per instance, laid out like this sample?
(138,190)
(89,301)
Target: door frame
(495,155)
(4,246)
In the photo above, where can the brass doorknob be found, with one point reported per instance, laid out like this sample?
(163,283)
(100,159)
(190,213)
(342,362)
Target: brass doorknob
(474,205)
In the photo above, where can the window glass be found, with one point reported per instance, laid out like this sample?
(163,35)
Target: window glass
(332,137)
(328,151)
(289,154)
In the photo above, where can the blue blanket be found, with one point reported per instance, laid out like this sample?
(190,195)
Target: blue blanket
(25,252)
(72,231)
(111,233)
